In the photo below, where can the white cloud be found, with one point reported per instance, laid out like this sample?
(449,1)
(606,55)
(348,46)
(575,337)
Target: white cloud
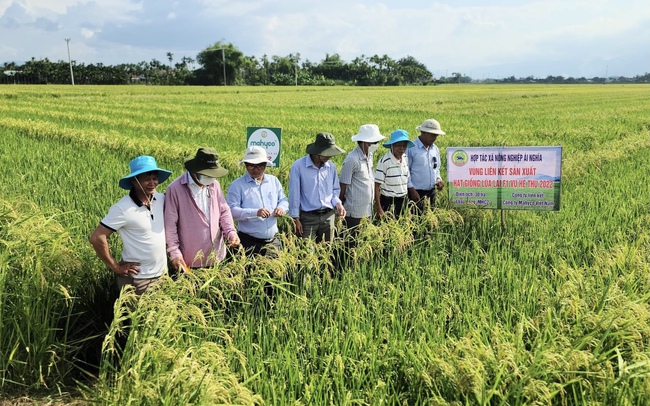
(39,6)
(87,33)
(509,37)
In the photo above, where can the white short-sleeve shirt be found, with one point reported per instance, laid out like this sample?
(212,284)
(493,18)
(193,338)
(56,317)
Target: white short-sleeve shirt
(357,173)
(142,232)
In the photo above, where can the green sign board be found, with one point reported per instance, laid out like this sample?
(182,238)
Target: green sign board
(268,138)
(512,178)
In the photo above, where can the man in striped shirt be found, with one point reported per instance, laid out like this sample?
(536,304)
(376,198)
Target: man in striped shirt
(392,175)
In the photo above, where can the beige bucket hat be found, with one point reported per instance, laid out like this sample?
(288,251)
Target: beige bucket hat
(430,126)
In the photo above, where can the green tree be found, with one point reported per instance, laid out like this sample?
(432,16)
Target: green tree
(413,72)
(220,60)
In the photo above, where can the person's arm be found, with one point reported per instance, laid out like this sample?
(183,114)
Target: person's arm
(336,191)
(342,194)
(283,203)
(99,240)
(294,191)
(225,218)
(436,172)
(234,200)
(347,169)
(378,209)
(409,185)
(294,197)
(413,194)
(379,179)
(171,229)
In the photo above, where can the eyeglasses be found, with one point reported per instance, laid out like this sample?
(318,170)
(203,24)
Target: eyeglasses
(256,166)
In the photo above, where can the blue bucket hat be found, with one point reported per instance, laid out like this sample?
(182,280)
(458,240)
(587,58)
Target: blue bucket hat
(399,136)
(140,165)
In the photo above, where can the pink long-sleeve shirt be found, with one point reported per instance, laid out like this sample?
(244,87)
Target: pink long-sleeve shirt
(187,229)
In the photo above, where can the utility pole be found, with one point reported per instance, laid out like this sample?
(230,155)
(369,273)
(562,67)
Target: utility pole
(67,40)
(223,59)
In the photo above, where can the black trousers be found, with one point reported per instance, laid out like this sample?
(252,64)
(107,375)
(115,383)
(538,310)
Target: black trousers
(396,204)
(259,246)
(424,196)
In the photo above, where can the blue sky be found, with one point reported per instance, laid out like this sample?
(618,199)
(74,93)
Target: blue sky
(481,39)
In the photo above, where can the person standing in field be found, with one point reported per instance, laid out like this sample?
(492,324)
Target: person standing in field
(424,164)
(357,177)
(392,175)
(314,190)
(197,218)
(257,200)
(138,219)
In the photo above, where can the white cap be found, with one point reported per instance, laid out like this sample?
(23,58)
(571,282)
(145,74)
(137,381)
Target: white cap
(255,155)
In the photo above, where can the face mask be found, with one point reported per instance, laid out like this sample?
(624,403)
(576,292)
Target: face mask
(372,148)
(205,180)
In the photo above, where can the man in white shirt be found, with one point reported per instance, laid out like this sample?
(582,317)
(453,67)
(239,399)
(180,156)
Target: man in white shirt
(139,220)
(357,176)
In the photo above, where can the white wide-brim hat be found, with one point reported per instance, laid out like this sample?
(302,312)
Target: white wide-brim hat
(368,133)
(255,155)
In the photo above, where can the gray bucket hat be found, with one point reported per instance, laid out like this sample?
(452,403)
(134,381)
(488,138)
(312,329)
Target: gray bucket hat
(206,162)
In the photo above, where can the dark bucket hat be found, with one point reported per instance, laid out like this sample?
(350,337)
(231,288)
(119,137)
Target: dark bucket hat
(324,145)
(206,162)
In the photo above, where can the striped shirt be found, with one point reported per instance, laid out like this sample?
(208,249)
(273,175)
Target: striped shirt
(357,174)
(392,175)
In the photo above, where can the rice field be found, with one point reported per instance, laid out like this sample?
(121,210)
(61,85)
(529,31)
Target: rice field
(457,307)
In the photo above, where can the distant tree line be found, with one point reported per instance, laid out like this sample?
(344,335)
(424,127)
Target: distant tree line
(224,64)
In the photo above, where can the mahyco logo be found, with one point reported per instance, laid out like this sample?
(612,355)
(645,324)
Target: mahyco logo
(262,143)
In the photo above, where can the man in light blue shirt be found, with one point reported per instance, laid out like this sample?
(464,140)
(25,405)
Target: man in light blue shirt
(424,165)
(314,190)
(256,200)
